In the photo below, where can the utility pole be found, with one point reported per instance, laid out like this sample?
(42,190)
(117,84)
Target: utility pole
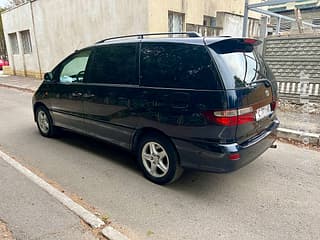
(245,19)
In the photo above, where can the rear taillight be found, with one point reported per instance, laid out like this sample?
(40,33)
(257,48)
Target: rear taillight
(231,117)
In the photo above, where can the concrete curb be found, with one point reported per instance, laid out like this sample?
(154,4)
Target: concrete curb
(300,136)
(18,88)
(112,234)
(91,219)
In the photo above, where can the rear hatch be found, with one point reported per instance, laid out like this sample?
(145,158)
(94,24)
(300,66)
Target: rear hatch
(249,83)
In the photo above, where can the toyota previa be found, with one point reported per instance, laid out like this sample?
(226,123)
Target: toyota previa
(178,102)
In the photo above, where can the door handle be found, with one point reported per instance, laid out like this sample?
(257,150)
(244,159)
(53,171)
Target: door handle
(76,94)
(180,106)
(88,95)
(180,100)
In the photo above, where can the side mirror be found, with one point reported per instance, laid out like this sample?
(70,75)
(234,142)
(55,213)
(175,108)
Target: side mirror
(48,76)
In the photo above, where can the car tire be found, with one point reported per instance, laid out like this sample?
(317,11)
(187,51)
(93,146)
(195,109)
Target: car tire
(158,159)
(44,122)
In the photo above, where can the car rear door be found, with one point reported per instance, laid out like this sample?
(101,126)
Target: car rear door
(250,85)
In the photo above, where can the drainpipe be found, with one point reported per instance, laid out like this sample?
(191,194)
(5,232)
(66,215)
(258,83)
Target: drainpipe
(35,39)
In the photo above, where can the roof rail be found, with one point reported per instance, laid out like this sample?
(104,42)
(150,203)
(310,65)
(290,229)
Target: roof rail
(142,35)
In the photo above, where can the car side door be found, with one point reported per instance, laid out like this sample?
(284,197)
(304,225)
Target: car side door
(67,92)
(111,97)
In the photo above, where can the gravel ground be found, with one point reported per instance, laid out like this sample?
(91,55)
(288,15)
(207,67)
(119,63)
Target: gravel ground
(305,118)
(310,108)
(5,234)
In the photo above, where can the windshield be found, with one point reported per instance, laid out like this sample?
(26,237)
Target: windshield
(245,67)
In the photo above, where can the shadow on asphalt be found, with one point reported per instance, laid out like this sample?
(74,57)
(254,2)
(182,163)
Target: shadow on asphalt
(100,148)
(192,182)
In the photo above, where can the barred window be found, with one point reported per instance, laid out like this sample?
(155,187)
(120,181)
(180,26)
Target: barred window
(14,43)
(175,21)
(209,21)
(26,41)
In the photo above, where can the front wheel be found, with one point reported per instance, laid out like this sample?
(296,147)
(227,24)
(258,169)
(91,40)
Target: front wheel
(44,122)
(158,160)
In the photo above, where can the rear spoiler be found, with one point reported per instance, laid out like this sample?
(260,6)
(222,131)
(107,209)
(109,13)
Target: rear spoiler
(229,45)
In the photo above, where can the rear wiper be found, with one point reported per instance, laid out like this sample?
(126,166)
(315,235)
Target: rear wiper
(260,73)
(266,82)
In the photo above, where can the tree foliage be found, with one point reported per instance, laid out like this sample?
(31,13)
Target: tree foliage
(3,49)
(13,3)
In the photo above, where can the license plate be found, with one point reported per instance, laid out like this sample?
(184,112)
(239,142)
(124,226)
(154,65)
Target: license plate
(263,112)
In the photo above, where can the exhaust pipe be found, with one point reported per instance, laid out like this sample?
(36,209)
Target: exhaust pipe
(274,146)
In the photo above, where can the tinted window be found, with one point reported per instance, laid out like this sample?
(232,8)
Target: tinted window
(73,69)
(245,67)
(242,62)
(177,66)
(114,64)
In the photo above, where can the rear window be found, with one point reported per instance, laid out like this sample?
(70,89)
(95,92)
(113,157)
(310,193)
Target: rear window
(177,66)
(243,64)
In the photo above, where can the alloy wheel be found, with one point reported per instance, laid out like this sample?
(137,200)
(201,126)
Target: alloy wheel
(43,122)
(155,159)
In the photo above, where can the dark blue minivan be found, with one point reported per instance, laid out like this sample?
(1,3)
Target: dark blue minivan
(176,102)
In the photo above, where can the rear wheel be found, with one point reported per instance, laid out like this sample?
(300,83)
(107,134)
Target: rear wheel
(44,122)
(158,160)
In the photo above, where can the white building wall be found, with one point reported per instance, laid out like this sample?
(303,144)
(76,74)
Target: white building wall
(63,26)
(232,25)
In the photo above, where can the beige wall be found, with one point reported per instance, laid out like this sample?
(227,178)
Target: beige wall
(59,27)
(194,11)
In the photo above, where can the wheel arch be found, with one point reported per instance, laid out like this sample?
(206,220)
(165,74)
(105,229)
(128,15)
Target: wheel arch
(142,132)
(35,106)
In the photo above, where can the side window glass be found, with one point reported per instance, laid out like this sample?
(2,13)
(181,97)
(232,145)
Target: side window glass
(177,66)
(73,70)
(115,64)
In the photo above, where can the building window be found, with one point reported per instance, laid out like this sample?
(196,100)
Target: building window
(14,43)
(209,21)
(26,41)
(175,22)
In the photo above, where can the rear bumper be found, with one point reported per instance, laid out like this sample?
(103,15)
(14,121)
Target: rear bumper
(212,157)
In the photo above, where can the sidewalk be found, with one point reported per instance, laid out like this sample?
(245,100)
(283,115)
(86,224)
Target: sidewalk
(31,213)
(294,124)
(23,83)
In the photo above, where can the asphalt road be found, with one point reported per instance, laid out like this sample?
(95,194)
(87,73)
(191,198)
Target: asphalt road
(31,213)
(275,197)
